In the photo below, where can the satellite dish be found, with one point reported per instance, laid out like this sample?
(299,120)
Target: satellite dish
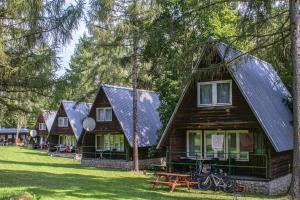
(33,133)
(89,124)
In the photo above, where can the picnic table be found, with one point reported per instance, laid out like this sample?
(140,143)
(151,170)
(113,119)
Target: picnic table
(172,180)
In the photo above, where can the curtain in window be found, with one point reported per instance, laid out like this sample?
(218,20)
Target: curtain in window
(232,145)
(108,114)
(210,151)
(246,142)
(206,94)
(113,142)
(62,139)
(194,143)
(223,93)
(100,142)
(101,114)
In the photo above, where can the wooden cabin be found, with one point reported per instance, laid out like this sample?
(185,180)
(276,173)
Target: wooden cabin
(9,135)
(237,118)
(113,136)
(67,126)
(43,126)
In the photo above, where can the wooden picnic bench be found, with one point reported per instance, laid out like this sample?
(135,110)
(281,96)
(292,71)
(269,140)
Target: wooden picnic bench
(172,180)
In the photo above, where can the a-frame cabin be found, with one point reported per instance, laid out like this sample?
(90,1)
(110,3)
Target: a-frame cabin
(113,135)
(43,126)
(236,118)
(67,126)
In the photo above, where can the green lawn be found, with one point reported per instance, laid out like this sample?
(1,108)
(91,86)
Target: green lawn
(24,171)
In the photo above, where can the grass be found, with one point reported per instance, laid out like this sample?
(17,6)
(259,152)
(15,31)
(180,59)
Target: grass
(33,173)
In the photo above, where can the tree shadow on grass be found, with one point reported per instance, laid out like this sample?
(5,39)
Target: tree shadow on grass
(80,186)
(36,153)
(59,186)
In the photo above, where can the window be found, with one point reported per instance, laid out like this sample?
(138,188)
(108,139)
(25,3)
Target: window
(103,114)
(216,93)
(214,144)
(42,126)
(110,142)
(194,144)
(233,145)
(62,122)
(67,140)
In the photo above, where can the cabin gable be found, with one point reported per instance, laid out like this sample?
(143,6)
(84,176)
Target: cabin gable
(61,130)
(101,101)
(41,120)
(231,130)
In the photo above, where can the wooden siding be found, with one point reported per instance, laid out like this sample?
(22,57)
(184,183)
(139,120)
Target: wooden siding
(41,120)
(237,116)
(112,126)
(61,130)
(280,163)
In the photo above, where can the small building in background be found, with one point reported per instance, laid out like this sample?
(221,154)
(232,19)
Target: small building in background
(67,126)
(8,135)
(43,127)
(110,144)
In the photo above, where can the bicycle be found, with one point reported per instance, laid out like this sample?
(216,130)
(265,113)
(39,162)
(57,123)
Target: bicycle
(217,181)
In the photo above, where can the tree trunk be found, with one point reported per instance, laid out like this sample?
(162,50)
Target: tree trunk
(134,90)
(17,133)
(295,53)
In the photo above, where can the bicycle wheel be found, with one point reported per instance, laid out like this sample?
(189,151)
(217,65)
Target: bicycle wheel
(205,183)
(230,185)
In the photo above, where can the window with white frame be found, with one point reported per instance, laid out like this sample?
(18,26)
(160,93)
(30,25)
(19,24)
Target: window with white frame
(215,93)
(194,144)
(104,114)
(110,142)
(67,140)
(233,145)
(42,126)
(62,122)
(214,144)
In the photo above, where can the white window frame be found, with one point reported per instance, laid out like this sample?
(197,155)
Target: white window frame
(122,148)
(214,93)
(188,143)
(215,153)
(64,125)
(105,109)
(237,132)
(65,139)
(42,127)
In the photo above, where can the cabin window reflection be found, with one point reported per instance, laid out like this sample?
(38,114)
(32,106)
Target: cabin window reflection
(63,122)
(214,144)
(110,142)
(194,141)
(235,139)
(214,93)
(103,114)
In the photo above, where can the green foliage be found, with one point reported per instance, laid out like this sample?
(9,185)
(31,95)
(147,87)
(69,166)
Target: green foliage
(30,33)
(176,40)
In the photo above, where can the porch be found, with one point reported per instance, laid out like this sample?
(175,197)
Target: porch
(255,167)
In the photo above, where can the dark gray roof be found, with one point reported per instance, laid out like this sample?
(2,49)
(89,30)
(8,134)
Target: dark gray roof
(264,92)
(49,117)
(120,99)
(13,131)
(76,113)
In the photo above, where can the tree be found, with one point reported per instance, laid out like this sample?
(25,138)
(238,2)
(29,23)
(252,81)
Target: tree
(30,33)
(125,22)
(295,53)
(176,38)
